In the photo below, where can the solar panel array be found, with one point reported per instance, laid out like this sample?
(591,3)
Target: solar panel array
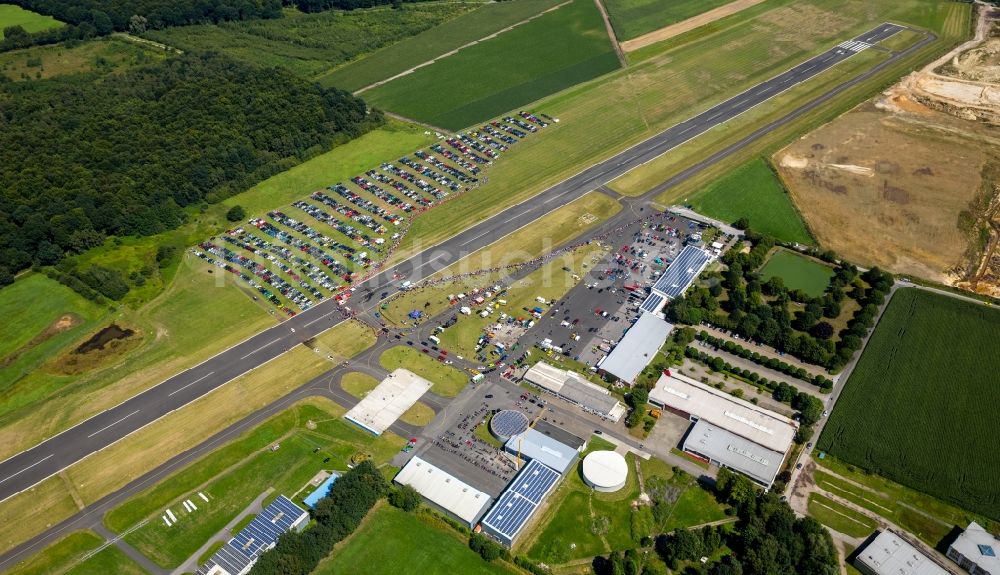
(652,303)
(681,272)
(516,505)
(508,423)
(241,551)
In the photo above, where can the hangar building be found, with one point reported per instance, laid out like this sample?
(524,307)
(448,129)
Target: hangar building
(677,278)
(533,444)
(516,505)
(446,492)
(636,349)
(240,553)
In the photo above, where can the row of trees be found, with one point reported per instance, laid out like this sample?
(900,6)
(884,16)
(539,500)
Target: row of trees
(321,5)
(336,516)
(83,158)
(766,361)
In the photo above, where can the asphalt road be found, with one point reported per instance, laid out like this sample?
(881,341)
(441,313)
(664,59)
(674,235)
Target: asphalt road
(31,466)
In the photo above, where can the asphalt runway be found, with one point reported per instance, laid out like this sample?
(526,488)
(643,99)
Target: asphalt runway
(31,466)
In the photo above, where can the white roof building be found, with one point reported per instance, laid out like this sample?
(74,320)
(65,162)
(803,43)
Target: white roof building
(387,402)
(533,444)
(976,550)
(445,491)
(573,387)
(637,348)
(889,554)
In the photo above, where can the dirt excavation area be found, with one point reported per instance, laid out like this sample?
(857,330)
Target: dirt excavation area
(909,181)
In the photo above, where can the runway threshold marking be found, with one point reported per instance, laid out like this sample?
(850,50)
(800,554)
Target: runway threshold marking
(26,468)
(190,384)
(113,424)
(260,348)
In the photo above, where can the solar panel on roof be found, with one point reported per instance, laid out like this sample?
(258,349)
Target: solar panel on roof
(516,505)
(652,303)
(243,549)
(682,271)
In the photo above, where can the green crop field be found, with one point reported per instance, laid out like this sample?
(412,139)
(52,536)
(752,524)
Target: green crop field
(391,541)
(919,406)
(11,15)
(447,380)
(232,476)
(633,18)
(753,191)
(555,51)
(66,557)
(798,272)
(312,44)
(409,52)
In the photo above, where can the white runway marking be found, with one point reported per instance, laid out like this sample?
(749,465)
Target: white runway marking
(487,232)
(190,384)
(25,469)
(259,348)
(113,424)
(319,318)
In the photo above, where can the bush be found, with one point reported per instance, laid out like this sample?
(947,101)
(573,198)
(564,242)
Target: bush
(235,213)
(488,549)
(405,497)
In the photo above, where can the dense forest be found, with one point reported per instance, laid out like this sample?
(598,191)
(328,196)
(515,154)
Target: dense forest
(83,158)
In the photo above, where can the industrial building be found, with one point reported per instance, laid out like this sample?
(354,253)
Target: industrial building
(387,402)
(444,491)
(535,445)
(574,388)
(727,431)
(636,349)
(516,505)
(682,272)
(239,554)
(976,550)
(889,554)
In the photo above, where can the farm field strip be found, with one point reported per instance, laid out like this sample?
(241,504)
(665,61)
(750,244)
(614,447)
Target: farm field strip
(634,18)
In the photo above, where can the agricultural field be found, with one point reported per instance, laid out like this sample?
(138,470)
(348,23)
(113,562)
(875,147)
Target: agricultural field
(925,382)
(100,55)
(447,380)
(555,51)
(633,18)
(232,476)
(754,192)
(310,45)
(66,557)
(11,15)
(798,272)
(386,542)
(491,18)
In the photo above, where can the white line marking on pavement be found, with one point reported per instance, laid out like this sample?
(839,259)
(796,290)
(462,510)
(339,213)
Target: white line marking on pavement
(26,468)
(319,318)
(260,348)
(476,238)
(113,424)
(190,384)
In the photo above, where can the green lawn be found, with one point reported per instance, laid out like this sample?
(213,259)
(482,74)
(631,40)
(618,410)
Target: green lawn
(409,52)
(840,517)
(358,384)
(391,541)
(918,406)
(753,191)
(447,380)
(798,272)
(312,44)
(11,15)
(234,475)
(555,51)
(64,556)
(633,18)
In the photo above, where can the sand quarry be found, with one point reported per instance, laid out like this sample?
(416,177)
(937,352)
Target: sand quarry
(909,181)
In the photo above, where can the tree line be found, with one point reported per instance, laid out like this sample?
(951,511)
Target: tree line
(83,158)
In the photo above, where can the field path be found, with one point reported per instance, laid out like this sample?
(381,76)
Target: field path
(611,34)
(466,45)
(687,25)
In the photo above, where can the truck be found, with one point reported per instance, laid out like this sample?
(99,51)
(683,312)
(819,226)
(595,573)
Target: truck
(435,339)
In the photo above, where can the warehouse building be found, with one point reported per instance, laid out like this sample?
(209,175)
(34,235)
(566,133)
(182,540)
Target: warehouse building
(444,491)
(889,554)
(976,550)
(574,388)
(518,503)
(535,445)
(727,431)
(240,553)
(636,349)
(387,402)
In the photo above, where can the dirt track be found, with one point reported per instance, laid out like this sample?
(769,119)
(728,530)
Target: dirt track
(685,25)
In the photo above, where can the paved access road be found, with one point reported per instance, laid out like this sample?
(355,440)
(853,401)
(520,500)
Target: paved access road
(58,452)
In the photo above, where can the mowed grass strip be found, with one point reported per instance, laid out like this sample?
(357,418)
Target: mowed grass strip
(391,541)
(918,407)
(633,18)
(839,517)
(753,191)
(66,557)
(358,384)
(555,51)
(409,52)
(11,15)
(447,380)
(798,272)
